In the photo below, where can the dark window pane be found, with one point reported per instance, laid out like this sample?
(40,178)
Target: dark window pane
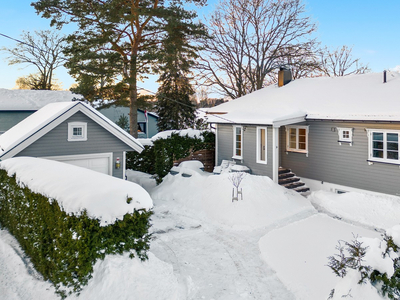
(377,153)
(392,155)
(392,137)
(77,131)
(393,146)
(377,136)
(302,146)
(377,145)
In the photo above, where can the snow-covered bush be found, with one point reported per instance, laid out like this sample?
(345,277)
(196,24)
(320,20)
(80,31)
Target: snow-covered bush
(376,261)
(63,246)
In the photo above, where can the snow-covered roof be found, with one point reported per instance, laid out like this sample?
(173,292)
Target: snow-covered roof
(32,99)
(355,97)
(39,123)
(76,188)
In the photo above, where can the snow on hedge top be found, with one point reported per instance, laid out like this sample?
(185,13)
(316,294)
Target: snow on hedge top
(354,97)
(32,100)
(75,188)
(193,133)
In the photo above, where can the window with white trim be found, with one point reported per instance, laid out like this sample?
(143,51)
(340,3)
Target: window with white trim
(237,142)
(77,131)
(345,135)
(297,139)
(383,145)
(261,145)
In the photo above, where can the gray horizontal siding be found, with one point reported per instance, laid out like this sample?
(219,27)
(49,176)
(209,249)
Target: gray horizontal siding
(225,148)
(9,119)
(341,164)
(99,140)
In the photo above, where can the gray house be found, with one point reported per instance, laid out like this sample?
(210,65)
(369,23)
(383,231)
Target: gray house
(74,133)
(16,105)
(147,127)
(339,134)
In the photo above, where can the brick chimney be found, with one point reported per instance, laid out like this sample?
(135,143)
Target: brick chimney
(284,76)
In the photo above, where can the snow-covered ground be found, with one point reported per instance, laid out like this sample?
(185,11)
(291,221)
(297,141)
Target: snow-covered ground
(273,244)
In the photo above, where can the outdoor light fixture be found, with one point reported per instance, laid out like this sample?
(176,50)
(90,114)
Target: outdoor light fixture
(117,163)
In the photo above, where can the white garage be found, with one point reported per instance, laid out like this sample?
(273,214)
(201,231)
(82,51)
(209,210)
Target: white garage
(99,162)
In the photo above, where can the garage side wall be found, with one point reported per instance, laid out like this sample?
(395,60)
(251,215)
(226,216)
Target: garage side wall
(99,140)
(342,164)
(225,148)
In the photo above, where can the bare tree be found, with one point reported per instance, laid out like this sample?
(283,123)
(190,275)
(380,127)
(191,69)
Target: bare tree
(43,49)
(251,39)
(340,62)
(35,82)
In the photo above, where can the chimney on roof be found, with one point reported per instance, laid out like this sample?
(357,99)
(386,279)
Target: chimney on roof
(284,76)
(384,76)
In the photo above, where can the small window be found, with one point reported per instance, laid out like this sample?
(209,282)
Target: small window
(383,146)
(345,135)
(77,131)
(142,127)
(261,145)
(237,142)
(297,139)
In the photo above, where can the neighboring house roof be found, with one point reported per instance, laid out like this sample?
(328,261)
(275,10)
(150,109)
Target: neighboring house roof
(150,113)
(44,120)
(355,97)
(32,100)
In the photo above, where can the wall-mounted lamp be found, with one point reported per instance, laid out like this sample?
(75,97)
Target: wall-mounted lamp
(117,163)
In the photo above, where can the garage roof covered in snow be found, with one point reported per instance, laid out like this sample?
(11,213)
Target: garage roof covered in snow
(356,97)
(44,120)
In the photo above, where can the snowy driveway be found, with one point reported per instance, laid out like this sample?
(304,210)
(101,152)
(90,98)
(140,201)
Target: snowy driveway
(213,263)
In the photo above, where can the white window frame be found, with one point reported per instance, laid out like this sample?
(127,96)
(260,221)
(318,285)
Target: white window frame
(235,155)
(371,158)
(342,139)
(258,141)
(74,138)
(288,148)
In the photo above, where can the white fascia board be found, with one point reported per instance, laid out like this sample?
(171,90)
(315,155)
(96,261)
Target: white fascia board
(289,121)
(112,128)
(57,120)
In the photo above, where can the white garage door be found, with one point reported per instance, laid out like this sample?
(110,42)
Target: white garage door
(96,162)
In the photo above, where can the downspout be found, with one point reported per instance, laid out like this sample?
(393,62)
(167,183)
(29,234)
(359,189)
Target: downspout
(275,153)
(216,144)
(124,165)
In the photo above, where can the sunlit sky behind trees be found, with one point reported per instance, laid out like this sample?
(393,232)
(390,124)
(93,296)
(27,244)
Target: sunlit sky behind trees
(372,27)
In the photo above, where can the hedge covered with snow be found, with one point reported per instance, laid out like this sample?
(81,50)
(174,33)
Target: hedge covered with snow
(64,245)
(159,158)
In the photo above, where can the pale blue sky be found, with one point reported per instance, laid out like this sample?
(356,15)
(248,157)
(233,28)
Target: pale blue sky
(372,27)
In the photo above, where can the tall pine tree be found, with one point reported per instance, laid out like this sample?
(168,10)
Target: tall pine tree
(174,107)
(117,42)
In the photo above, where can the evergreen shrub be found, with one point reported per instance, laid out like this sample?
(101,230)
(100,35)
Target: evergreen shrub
(351,256)
(64,247)
(159,158)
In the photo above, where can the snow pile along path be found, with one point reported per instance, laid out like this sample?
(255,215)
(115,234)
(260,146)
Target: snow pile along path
(18,278)
(264,203)
(76,189)
(119,277)
(299,253)
(379,211)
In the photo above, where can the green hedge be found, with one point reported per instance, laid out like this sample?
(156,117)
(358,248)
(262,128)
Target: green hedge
(64,247)
(159,158)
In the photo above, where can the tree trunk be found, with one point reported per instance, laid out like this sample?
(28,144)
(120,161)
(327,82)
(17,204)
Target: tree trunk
(133,99)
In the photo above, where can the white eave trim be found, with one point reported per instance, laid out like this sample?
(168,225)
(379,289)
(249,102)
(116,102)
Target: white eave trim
(289,121)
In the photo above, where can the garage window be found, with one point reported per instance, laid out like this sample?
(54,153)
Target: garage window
(77,131)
